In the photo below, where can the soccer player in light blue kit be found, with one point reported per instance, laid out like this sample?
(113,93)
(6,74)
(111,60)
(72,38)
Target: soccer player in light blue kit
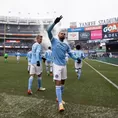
(49,61)
(59,50)
(78,64)
(18,54)
(36,64)
(29,56)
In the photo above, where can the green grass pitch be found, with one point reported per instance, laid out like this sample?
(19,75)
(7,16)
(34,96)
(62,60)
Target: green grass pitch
(90,97)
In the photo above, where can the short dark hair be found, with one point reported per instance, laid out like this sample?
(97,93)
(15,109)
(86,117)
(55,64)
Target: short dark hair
(78,47)
(49,48)
(38,36)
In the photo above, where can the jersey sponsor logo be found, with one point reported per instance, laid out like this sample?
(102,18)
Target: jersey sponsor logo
(62,46)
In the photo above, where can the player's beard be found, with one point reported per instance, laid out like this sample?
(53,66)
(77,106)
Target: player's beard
(62,39)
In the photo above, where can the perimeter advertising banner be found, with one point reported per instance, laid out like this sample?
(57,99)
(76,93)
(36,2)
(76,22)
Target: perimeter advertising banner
(80,29)
(110,31)
(93,28)
(84,35)
(13,41)
(97,34)
(72,36)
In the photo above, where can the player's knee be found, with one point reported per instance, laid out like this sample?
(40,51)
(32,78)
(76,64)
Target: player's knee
(57,82)
(79,69)
(32,75)
(62,82)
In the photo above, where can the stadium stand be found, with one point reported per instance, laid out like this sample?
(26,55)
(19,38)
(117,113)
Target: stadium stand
(19,34)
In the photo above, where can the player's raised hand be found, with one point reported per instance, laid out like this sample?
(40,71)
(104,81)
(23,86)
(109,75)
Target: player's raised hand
(58,19)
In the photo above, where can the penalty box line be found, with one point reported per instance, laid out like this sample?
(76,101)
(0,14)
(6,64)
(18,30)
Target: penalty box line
(102,75)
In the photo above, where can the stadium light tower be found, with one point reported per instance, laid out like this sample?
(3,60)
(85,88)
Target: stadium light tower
(54,14)
(5,25)
(19,13)
(9,13)
(28,15)
(38,14)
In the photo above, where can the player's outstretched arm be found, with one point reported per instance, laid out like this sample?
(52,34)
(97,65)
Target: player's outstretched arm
(49,30)
(73,56)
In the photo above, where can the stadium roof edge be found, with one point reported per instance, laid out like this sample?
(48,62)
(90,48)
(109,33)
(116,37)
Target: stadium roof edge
(18,20)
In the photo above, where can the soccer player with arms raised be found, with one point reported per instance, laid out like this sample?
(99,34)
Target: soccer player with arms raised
(59,50)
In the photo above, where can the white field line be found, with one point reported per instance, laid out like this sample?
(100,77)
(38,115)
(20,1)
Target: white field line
(28,108)
(102,75)
(105,62)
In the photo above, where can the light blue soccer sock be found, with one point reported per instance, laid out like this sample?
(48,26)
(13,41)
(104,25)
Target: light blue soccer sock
(59,94)
(79,73)
(30,82)
(62,89)
(76,70)
(51,69)
(39,82)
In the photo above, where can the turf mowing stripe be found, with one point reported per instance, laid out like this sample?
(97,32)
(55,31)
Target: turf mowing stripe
(104,62)
(102,75)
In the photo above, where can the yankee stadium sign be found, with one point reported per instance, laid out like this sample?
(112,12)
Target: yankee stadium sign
(100,22)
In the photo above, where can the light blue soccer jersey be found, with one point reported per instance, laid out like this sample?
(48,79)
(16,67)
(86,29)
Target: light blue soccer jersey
(59,49)
(67,55)
(79,53)
(29,56)
(48,56)
(36,53)
(73,52)
(18,54)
